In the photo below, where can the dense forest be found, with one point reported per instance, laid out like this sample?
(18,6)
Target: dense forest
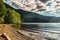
(8,15)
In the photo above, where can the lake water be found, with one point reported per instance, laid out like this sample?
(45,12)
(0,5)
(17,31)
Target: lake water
(48,30)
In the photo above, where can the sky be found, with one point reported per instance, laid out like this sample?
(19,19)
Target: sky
(49,7)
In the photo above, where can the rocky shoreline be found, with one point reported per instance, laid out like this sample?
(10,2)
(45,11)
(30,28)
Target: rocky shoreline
(10,33)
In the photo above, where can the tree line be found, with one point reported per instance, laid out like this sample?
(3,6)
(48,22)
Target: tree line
(8,15)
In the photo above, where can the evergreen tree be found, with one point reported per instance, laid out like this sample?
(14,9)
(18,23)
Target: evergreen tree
(9,16)
(2,11)
(12,16)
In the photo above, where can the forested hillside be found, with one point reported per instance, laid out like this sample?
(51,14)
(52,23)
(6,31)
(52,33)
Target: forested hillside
(8,15)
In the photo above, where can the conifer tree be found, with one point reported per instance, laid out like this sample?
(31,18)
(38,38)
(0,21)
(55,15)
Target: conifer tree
(9,16)
(2,11)
(13,16)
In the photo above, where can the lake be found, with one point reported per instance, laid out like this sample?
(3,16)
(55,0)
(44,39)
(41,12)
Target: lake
(48,30)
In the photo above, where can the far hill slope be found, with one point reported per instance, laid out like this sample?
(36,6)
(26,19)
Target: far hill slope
(31,17)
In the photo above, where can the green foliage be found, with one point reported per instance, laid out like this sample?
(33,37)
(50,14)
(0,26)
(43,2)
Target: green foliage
(1,20)
(2,7)
(17,26)
(9,16)
(13,16)
(2,11)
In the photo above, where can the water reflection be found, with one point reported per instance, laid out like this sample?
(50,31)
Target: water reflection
(48,30)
